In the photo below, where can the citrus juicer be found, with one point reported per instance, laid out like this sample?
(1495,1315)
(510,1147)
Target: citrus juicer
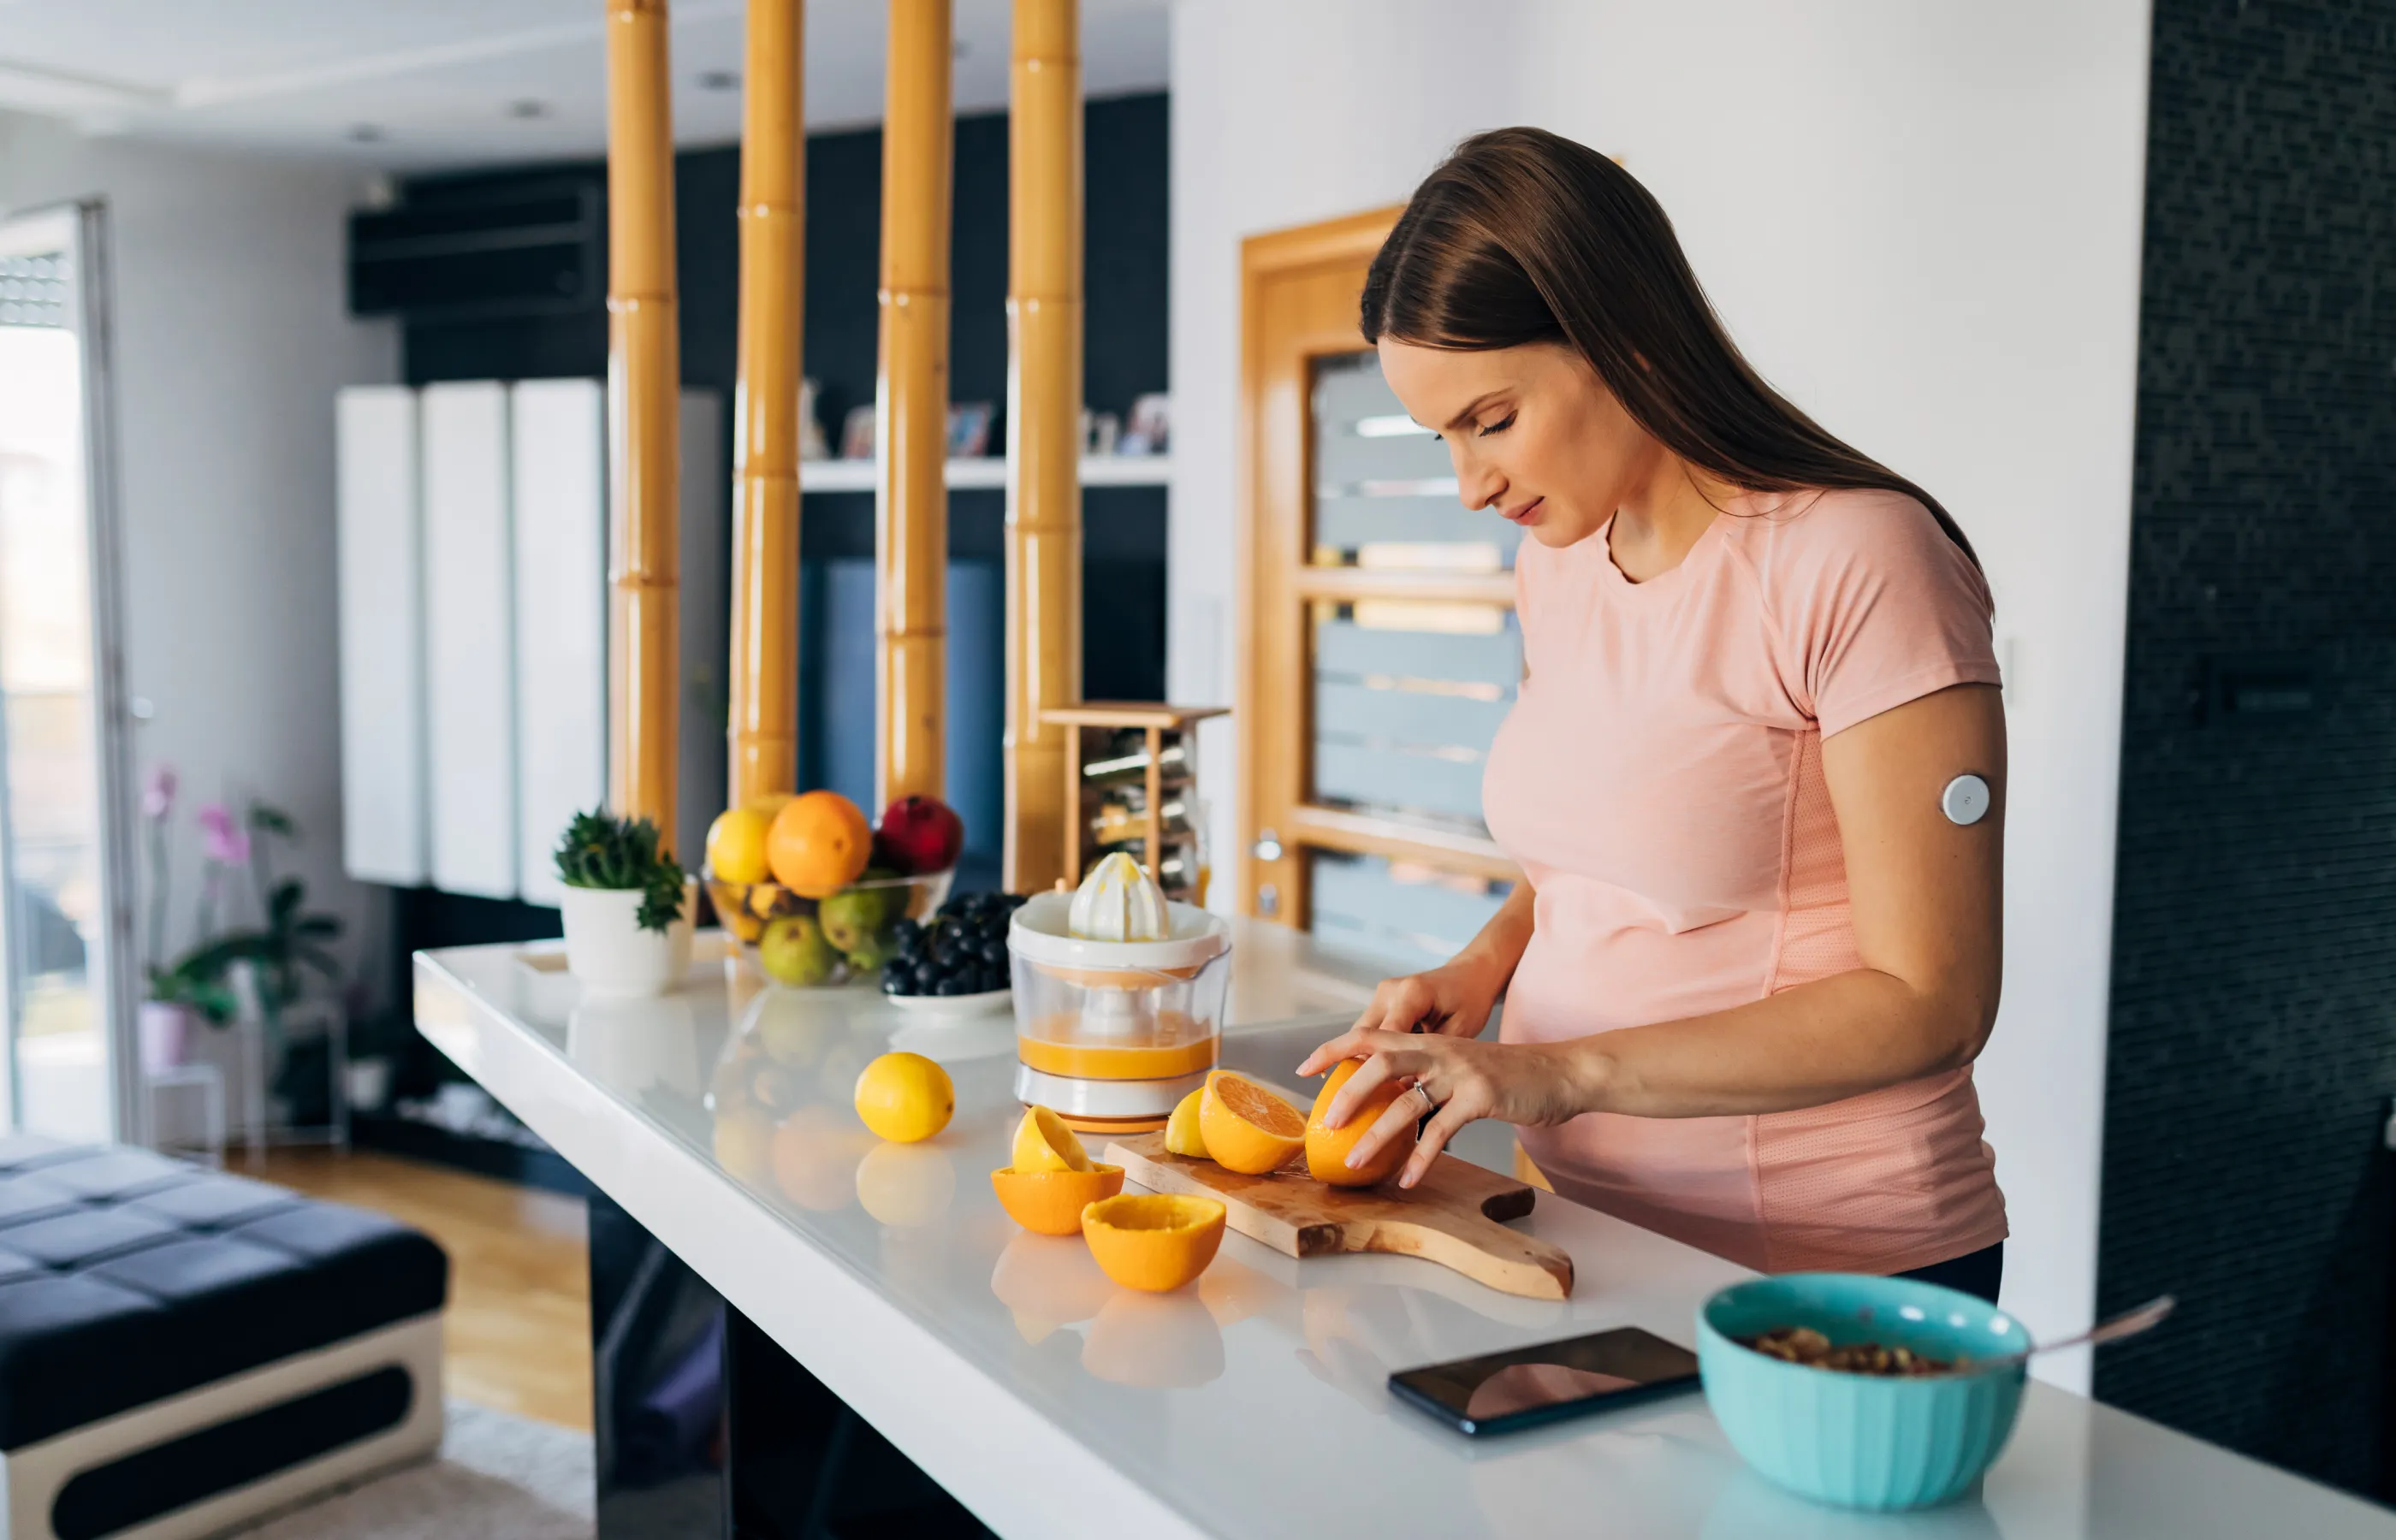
(1112,1034)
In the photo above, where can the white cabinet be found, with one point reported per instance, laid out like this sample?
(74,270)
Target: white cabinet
(473,594)
(381,578)
(560,472)
(470,639)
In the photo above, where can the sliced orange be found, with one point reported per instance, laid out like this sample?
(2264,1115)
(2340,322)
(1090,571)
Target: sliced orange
(1182,1135)
(1153,1240)
(1052,1202)
(1326,1148)
(1247,1128)
(1044,1143)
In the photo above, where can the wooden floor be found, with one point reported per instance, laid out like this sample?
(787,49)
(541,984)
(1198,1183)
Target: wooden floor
(518,1334)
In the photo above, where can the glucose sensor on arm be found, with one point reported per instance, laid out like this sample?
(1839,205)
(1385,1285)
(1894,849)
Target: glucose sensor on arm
(1965,801)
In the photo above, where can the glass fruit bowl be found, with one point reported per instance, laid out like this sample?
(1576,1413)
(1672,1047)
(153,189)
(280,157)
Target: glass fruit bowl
(811,942)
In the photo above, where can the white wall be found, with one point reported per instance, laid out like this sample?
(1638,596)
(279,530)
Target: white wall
(231,338)
(1922,221)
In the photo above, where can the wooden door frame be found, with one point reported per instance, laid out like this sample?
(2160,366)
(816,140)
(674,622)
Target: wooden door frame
(1276,465)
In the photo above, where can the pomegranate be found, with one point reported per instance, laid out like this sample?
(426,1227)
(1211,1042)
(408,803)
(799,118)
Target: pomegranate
(919,835)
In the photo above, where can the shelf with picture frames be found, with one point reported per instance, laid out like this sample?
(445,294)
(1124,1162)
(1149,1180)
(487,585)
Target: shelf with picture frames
(989,471)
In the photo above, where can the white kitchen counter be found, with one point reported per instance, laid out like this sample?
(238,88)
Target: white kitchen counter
(1253,1406)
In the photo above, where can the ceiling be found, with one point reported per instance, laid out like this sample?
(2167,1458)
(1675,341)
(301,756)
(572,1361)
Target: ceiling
(404,84)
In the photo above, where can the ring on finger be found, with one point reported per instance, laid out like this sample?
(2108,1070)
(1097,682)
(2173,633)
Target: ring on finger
(1431,1103)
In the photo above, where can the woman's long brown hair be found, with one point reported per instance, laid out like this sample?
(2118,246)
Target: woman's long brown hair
(1521,236)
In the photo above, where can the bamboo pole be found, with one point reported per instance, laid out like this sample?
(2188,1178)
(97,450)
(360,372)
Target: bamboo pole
(911,500)
(765,742)
(1043,432)
(643,410)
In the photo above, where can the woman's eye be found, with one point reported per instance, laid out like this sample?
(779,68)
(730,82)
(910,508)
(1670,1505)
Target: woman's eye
(1499,426)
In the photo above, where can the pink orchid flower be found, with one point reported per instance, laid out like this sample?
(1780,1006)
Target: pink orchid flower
(223,839)
(158,796)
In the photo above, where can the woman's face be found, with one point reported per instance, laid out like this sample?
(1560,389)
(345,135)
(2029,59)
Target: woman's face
(1534,434)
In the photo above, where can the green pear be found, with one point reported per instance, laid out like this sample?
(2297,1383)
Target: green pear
(849,918)
(793,950)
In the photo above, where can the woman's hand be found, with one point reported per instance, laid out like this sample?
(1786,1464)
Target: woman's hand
(1519,1082)
(1455,998)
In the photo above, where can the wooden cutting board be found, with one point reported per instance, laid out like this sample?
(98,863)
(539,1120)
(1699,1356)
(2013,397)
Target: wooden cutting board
(1451,1216)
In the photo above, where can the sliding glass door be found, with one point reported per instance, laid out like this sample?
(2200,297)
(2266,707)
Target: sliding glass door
(65,984)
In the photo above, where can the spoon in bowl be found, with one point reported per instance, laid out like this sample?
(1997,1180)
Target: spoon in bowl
(2129,1324)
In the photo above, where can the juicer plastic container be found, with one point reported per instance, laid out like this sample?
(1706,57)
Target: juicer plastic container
(1112,1034)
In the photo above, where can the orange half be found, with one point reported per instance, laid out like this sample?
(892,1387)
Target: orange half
(1247,1128)
(1052,1202)
(1153,1240)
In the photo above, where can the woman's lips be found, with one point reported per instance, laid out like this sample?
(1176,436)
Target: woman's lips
(1527,513)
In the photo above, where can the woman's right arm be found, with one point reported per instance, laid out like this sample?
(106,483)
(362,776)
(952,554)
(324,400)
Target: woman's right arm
(1456,996)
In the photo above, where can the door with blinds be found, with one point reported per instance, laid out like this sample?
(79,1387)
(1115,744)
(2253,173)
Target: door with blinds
(1382,650)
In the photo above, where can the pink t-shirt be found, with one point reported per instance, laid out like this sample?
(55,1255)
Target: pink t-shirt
(1659,781)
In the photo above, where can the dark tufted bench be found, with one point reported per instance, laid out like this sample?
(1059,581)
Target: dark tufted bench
(181,1348)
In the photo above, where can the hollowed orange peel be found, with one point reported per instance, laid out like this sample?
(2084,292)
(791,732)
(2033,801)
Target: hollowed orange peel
(1153,1240)
(1052,1202)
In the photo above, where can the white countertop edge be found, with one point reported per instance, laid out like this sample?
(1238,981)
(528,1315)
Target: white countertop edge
(1013,1465)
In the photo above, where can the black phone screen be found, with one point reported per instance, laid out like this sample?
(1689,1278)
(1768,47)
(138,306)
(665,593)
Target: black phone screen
(1526,1385)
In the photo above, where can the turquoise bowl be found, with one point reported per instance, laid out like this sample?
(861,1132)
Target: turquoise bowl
(1861,1441)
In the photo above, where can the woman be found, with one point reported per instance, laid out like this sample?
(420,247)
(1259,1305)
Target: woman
(1754,955)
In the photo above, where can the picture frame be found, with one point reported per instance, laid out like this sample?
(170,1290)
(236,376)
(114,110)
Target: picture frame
(1150,431)
(969,428)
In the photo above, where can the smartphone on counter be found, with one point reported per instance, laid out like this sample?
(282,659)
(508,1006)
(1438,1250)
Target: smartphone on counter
(1526,1387)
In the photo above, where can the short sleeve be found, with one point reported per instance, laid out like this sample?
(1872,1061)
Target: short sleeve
(1873,604)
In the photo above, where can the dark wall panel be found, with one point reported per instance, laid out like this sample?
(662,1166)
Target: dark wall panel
(2253,1047)
(1124,357)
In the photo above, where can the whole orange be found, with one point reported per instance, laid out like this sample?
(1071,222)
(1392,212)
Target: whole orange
(819,844)
(1326,1148)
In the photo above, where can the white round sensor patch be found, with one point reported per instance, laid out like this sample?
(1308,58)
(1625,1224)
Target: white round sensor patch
(1965,801)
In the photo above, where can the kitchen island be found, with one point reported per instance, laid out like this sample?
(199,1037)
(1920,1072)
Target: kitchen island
(1251,1405)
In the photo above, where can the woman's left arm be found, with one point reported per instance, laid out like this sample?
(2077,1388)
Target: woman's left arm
(1927,898)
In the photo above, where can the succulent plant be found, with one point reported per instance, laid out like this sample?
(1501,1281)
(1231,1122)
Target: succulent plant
(600,850)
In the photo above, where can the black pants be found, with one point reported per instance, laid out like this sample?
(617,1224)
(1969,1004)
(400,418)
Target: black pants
(1974,1273)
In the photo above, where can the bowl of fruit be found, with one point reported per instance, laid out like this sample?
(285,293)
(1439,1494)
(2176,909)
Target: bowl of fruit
(954,963)
(815,894)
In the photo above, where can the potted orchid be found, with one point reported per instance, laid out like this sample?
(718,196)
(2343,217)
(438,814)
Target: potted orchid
(165,1020)
(265,962)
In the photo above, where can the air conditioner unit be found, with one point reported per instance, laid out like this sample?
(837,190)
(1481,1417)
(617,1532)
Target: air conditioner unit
(535,251)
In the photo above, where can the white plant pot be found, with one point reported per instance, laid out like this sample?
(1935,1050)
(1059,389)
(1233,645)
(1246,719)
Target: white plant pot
(166,1029)
(608,952)
(366,1083)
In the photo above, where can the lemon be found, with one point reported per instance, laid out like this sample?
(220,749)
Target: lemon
(735,845)
(1044,1143)
(905,1097)
(1181,1134)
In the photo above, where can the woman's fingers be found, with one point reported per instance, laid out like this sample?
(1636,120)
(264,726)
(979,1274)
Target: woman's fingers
(1396,1120)
(1380,1063)
(1347,1046)
(1435,1134)
(1391,999)
(1398,1003)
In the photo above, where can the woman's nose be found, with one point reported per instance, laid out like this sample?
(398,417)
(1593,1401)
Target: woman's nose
(1479,485)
